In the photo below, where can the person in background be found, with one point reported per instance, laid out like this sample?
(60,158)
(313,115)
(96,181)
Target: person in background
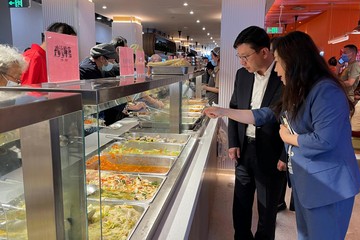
(332,64)
(212,88)
(155,58)
(115,70)
(36,56)
(12,65)
(316,131)
(256,151)
(102,58)
(350,74)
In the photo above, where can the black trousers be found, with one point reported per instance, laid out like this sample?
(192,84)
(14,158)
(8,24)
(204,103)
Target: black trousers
(268,187)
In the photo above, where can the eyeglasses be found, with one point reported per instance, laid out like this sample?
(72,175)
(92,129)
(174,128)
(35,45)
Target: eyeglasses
(14,78)
(245,58)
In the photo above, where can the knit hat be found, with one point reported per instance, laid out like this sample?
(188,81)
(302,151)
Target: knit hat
(216,51)
(104,49)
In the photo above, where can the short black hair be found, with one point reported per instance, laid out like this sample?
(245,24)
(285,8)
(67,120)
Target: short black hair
(60,27)
(255,36)
(352,47)
(118,42)
(332,61)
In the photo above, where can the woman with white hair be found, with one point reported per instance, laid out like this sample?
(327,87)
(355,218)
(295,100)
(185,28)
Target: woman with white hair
(12,65)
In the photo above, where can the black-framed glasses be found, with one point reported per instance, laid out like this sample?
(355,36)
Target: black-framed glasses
(246,57)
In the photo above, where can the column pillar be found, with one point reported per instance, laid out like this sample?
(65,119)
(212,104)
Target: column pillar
(78,13)
(128,27)
(236,16)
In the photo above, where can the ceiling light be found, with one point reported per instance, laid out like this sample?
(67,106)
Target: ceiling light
(185,4)
(211,38)
(98,18)
(338,39)
(191,39)
(204,28)
(208,34)
(191,12)
(213,41)
(104,7)
(198,21)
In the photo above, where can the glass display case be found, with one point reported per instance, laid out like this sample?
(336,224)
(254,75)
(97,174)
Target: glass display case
(42,166)
(149,150)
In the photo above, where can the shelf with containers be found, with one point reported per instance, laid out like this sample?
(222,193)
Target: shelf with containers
(105,147)
(42,166)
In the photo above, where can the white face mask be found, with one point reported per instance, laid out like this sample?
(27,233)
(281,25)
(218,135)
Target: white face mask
(107,67)
(12,84)
(9,82)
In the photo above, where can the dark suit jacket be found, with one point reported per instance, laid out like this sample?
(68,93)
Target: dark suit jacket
(269,145)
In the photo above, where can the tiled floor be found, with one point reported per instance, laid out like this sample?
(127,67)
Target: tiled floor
(221,219)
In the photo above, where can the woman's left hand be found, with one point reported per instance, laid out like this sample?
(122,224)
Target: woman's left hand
(284,133)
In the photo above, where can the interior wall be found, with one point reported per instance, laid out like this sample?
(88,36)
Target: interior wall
(103,32)
(5,24)
(26,22)
(332,24)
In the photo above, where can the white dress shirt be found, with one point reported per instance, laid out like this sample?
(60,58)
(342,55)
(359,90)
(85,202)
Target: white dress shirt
(260,84)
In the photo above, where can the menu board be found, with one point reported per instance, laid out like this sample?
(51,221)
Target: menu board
(62,57)
(126,61)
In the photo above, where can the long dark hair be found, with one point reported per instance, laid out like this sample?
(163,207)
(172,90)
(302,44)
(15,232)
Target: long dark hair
(304,67)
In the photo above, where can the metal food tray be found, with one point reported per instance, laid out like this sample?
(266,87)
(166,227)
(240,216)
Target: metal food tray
(180,138)
(168,70)
(140,160)
(148,146)
(142,208)
(187,124)
(151,178)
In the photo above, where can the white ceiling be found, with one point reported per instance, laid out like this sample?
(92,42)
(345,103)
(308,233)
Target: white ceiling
(170,16)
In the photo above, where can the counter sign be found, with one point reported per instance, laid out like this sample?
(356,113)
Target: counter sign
(18,3)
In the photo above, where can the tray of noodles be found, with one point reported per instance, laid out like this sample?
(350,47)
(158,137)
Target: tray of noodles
(119,221)
(117,187)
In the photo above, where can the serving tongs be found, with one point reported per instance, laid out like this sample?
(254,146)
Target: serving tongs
(116,138)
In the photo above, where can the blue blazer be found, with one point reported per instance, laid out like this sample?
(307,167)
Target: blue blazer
(325,169)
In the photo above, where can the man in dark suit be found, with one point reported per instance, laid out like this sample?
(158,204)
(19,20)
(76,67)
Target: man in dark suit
(257,150)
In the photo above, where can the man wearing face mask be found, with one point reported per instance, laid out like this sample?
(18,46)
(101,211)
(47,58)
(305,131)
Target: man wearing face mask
(102,57)
(350,74)
(12,65)
(212,88)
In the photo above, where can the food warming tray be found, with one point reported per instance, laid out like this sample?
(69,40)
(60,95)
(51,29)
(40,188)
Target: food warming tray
(164,137)
(141,164)
(141,208)
(151,178)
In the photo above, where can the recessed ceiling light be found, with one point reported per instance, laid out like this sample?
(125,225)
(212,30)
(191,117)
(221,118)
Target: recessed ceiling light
(191,39)
(185,4)
(104,7)
(198,21)
(204,28)
(98,18)
(208,34)
(211,38)
(191,12)
(213,41)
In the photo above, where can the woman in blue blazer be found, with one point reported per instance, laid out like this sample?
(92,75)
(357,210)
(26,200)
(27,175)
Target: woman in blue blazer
(317,134)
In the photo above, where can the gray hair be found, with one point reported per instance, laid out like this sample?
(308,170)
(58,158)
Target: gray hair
(10,56)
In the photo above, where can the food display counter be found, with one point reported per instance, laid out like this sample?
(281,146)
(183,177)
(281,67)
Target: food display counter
(42,166)
(142,166)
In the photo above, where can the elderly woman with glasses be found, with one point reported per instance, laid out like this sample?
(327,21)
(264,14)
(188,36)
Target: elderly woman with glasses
(12,65)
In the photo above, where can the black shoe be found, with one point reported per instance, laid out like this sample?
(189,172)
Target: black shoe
(281,207)
(292,208)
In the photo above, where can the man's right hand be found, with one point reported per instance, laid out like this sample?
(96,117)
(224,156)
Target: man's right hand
(234,153)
